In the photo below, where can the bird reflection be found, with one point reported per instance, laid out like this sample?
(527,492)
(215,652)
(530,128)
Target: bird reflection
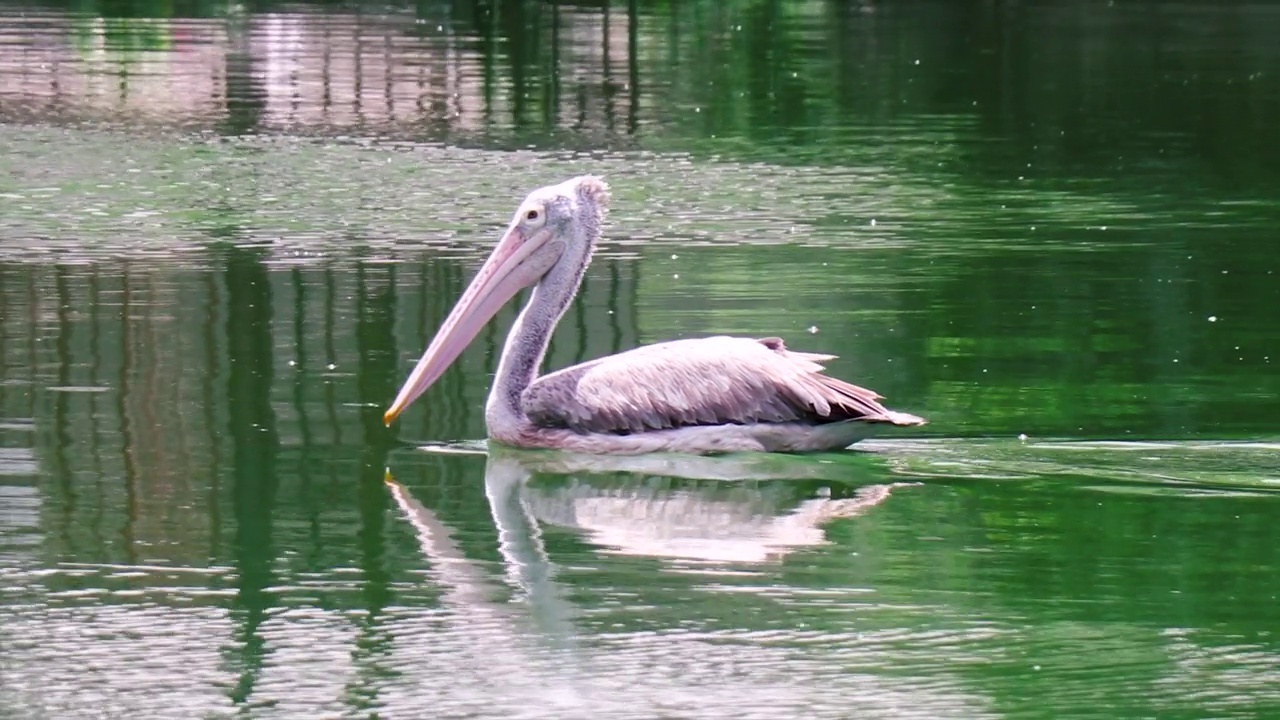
(686,507)
(521,624)
(713,509)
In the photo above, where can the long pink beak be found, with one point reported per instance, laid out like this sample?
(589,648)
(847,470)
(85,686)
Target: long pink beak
(502,276)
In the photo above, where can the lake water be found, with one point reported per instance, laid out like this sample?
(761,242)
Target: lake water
(226,233)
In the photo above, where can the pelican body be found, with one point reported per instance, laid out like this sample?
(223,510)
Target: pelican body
(703,396)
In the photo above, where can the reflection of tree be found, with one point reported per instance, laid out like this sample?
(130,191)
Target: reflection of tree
(376,377)
(210,366)
(61,467)
(1067,559)
(245,95)
(254,446)
(129,446)
(434,288)
(777,73)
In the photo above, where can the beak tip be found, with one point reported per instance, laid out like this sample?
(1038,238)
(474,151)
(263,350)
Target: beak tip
(389,417)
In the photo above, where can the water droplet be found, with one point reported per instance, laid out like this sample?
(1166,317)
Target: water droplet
(675,276)
(293,363)
(1213,318)
(1022,437)
(675,257)
(813,329)
(873,222)
(332,366)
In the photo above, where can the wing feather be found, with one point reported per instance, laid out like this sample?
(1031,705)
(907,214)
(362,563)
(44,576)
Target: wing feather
(707,381)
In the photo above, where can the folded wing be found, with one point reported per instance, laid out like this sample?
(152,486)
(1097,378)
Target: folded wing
(707,381)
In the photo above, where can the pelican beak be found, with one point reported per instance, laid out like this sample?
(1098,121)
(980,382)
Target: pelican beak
(521,258)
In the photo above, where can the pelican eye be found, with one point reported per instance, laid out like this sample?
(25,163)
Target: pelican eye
(535,217)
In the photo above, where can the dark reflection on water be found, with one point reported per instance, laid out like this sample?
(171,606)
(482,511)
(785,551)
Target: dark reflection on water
(226,231)
(1054,89)
(255,446)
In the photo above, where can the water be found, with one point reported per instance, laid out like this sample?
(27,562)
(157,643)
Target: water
(226,232)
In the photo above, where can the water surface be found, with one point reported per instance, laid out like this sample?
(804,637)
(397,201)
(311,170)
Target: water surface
(227,232)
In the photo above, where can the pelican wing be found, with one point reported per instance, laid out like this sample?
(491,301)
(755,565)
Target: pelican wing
(707,381)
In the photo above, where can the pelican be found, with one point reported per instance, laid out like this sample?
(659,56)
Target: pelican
(701,396)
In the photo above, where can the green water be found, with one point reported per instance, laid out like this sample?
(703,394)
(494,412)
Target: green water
(227,232)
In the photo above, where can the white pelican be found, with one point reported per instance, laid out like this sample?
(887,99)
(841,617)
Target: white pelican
(707,395)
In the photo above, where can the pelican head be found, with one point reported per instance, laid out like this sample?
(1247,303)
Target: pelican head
(553,223)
